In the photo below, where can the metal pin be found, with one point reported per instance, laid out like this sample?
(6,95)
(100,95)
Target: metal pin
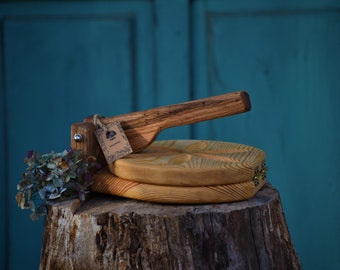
(78,137)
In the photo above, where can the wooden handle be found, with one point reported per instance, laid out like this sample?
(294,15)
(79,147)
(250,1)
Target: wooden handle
(141,128)
(188,112)
(202,109)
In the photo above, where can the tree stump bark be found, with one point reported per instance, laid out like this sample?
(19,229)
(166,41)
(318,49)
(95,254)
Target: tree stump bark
(107,232)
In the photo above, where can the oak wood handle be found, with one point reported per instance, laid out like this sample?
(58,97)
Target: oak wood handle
(142,128)
(204,109)
(186,113)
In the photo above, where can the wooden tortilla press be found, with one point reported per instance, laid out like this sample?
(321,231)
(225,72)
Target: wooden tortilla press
(177,171)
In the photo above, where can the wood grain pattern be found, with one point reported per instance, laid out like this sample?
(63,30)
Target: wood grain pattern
(88,144)
(142,128)
(106,182)
(190,163)
(117,233)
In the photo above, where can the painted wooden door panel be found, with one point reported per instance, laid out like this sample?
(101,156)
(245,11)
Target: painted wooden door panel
(4,208)
(172,59)
(44,95)
(61,66)
(288,58)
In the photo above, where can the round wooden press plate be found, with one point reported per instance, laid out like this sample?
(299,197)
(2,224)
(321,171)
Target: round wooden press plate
(106,182)
(190,163)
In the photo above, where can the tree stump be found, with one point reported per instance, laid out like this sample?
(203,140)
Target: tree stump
(107,232)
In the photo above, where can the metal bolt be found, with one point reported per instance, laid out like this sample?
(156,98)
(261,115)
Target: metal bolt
(78,137)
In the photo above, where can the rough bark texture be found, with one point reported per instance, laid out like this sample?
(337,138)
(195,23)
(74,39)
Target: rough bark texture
(108,232)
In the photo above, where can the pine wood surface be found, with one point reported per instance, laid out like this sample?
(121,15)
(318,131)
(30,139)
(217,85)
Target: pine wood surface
(106,182)
(191,163)
(109,232)
(141,128)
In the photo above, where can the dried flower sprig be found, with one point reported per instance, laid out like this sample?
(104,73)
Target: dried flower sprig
(54,177)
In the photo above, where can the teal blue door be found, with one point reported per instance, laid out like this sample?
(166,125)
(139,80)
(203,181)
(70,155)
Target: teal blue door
(62,61)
